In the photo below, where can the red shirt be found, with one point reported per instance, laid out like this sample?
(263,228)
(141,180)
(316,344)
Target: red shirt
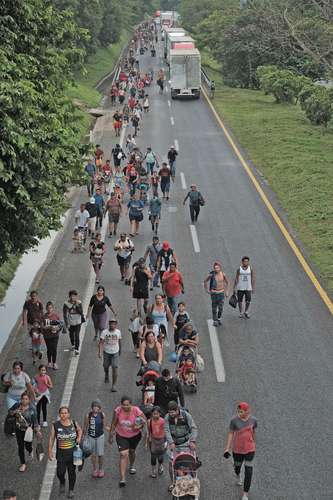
(156,428)
(173,283)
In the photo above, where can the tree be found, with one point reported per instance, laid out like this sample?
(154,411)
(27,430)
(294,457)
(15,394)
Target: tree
(111,23)
(318,106)
(284,85)
(40,150)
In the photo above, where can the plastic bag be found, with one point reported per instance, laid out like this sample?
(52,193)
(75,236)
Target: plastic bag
(28,435)
(200,363)
(233,301)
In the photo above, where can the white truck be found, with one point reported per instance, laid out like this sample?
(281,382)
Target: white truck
(175,41)
(185,73)
(167,33)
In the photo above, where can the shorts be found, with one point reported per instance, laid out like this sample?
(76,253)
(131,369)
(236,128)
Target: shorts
(92,222)
(242,293)
(137,218)
(36,348)
(123,261)
(114,218)
(126,443)
(97,445)
(110,360)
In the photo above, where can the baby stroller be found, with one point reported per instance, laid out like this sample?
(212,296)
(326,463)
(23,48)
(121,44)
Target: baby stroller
(184,476)
(186,368)
(150,373)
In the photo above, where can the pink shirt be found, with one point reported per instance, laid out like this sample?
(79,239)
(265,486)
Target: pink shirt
(41,383)
(126,422)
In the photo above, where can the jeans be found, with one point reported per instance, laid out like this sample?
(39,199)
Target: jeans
(62,466)
(42,407)
(90,187)
(247,458)
(173,303)
(217,305)
(150,167)
(22,445)
(194,212)
(74,335)
(51,349)
(173,168)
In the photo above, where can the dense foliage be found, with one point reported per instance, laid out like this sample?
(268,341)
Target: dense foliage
(42,44)
(295,35)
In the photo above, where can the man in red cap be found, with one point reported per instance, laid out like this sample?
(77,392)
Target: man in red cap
(241,441)
(165,256)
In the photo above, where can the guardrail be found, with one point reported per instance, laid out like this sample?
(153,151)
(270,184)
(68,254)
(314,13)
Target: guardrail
(209,84)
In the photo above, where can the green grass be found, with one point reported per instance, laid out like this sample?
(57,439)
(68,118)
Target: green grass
(98,65)
(294,156)
(7,273)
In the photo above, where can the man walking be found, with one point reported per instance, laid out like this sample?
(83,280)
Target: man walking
(215,284)
(172,156)
(196,201)
(173,286)
(152,251)
(110,347)
(245,282)
(168,388)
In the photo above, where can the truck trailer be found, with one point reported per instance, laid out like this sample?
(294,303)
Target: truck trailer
(185,73)
(178,42)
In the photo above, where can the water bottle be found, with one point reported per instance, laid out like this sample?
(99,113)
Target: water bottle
(77,456)
(138,421)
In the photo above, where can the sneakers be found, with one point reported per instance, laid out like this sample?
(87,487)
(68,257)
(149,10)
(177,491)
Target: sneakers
(132,470)
(113,388)
(95,473)
(238,479)
(160,469)
(245,497)
(122,484)
(55,366)
(44,424)
(50,365)
(215,323)
(70,494)
(101,473)
(77,352)
(22,468)
(241,315)
(246,315)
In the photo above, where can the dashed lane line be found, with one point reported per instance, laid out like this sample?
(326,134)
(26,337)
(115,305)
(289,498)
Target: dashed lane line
(172,120)
(195,240)
(183,180)
(216,351)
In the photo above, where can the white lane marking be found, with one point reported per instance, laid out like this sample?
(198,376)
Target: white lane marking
(172,120)
(166,88)
(169,103)
(176,144)
(50,472)
(216,350)
(183,180)
(195,240)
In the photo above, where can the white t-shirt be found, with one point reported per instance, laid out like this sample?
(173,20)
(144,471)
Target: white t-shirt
(111,340)
(82,217)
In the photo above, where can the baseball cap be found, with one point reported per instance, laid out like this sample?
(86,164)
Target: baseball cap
(243,406)
(166,245)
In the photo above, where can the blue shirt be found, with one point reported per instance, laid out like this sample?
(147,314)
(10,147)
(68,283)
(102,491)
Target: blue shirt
(99,200)
(95,425)
(134,206)
(90,169)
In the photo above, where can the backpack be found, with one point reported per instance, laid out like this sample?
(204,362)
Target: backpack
(9,425)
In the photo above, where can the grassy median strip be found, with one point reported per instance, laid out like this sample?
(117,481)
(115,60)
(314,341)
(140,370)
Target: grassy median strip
(295,158)
(7,273)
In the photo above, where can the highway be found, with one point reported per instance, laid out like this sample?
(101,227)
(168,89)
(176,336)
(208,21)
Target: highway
(280,360)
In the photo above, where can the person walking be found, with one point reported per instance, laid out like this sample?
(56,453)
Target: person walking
(156,441)
(18,382)
(100,203)
(151,160)
(241,443)
(150,349)
(152,251)
(118,155)
(181,432)
(97,310)
(32,311)
(245,283)
(43,384)
(141,276)
(124,248)
(90,170)
(154,182)
(26,418)
(161,315)
(165,256)
(81,220)
(155,206)
(93,430)
(97,250)
(217,284)
(113,208)
(92,210)
(67,434)
(165,176)
(172,157)
(73,318)
(196,201)
(127,424)
(135,208)
(110,347)
(181,317)
(173,286)
(168,388)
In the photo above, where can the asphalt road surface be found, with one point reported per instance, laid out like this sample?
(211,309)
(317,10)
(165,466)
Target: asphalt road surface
(279,360)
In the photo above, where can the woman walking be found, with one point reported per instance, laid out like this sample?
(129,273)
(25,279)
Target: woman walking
(97,310)
(26,423)
(18,382)
(67,434)
(43,384)
(51,329)
(140,284)
(150,349)
(97,251)
(127,424)
(161,314)
(73,318)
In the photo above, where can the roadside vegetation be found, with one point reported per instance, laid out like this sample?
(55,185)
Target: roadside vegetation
(265,59)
